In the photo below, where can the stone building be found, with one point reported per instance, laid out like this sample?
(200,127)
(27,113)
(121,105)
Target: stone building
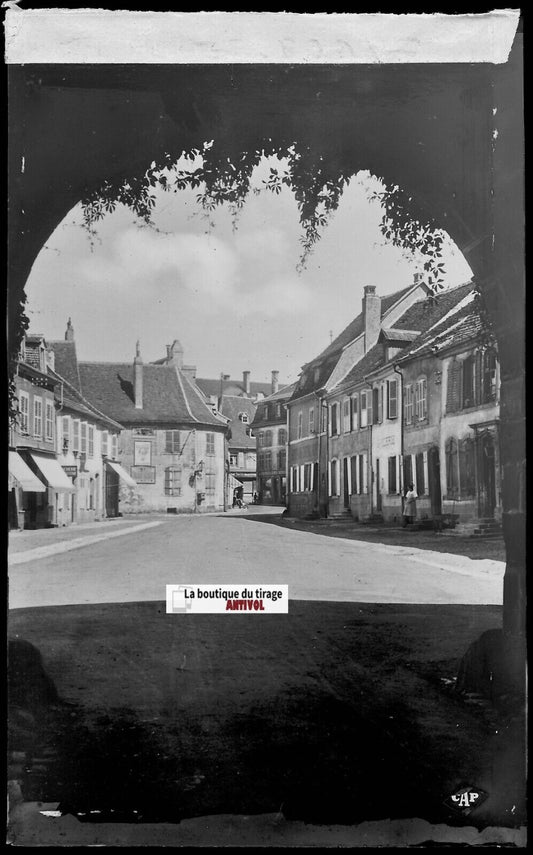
(38,486)
(172,443)
(270,429)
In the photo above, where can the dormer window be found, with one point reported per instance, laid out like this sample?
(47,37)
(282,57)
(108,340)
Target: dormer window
(243,417)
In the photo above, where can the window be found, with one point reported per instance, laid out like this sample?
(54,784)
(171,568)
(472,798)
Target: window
(267,463)
(282,436)
(278,411)
(469,381)
(37,416)
(489,377)
(353,404)
(104,443)
(114,446)
(91,494)
(210,444)
(363,474)
(268,438)
(354,469)
(377,405)
(243,417)
(282,459)
(83,443)
(233,459)
(346,416)
(311,420)
(452,481)
(76,435)
(300,425)
(90,444)
(172,442)
(420,475)
(392,475)
(210,482)
(407,471)
(421,408)
(295,486)
(392,400)
(366,409)
(334,419)
(65,429)
(467,471)
(408,395)
(334,478)
(24,412)
(172,484)
(454,387)
(308,476)
(49,427)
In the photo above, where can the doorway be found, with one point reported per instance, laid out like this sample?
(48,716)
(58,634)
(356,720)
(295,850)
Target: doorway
(346,484)
(434,481)
(487,476)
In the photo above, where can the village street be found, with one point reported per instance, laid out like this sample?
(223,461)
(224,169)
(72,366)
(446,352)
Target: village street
(133,560)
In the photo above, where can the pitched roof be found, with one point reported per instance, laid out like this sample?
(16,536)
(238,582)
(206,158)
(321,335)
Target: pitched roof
(370,361)
(66,361)
(282,394)
(429,310)
(211,388)
(168,395)
(71,399)
(463,327)
(232,405)
(356,327)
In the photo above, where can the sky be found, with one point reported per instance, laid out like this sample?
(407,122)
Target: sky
(234,299)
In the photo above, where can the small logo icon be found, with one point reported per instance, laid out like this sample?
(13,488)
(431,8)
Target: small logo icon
(465,799)
(180,603)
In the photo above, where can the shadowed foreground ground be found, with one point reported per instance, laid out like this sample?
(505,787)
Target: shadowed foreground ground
(334,713)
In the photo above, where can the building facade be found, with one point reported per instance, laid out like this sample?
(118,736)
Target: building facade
(38,486)
(271,432)
(172,445)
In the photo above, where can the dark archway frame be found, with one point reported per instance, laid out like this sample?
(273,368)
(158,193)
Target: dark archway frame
(428,128)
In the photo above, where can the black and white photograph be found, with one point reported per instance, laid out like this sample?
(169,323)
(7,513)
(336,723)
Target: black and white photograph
(266,402)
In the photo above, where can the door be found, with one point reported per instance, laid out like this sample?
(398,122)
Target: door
(111,492)
(434,481)
(379,502)
(346,484)
(487,476)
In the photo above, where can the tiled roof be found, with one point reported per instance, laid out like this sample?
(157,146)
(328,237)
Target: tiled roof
(282,394)
(211,388)
(462,327)
(71,399)
(66,362)
(232,405)
(428,311)
(370,361)
(356,327)
(168,395)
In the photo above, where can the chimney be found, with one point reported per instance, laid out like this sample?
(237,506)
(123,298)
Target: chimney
(169,353)
(138,378)
(371,316)
(69,335)
(176,354)
(275,375)
(246,381)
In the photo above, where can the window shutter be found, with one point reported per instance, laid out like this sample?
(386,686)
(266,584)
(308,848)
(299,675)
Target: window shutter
(454,389)
(369,408)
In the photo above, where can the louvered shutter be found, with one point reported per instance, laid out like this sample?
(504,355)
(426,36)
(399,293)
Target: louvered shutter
(454,389)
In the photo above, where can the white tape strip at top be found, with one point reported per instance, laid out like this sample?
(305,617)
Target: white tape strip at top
(106,36)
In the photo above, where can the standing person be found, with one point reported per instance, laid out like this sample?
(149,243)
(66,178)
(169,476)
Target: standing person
(409,508)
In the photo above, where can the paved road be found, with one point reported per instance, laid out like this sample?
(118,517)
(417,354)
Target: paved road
(136,566)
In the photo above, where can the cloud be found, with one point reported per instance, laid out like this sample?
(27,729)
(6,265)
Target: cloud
(140,257)
(280,296)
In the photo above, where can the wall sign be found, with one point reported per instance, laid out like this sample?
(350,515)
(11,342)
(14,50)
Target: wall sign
(142,453)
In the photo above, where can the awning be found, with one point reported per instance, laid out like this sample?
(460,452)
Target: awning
(122,474)
(53,474)
(22,473)
(233,483)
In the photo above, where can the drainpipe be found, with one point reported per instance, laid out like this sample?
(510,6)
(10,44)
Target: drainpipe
(324,404)
(400,399)
(371,467)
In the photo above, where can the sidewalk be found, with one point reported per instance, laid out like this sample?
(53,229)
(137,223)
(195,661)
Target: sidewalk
(23,541)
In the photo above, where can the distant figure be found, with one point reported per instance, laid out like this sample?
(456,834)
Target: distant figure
(409,508)
(238,494)
(255,499)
